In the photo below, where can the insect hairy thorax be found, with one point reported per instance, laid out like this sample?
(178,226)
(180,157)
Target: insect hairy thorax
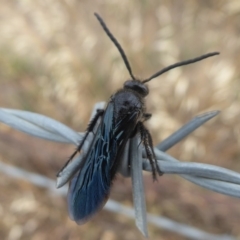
(130,99)
(122,119)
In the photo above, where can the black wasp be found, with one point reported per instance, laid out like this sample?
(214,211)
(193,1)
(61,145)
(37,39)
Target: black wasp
(122,119)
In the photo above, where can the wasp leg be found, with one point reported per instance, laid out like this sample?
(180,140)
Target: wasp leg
(90,128)
(148,144)
(146,116)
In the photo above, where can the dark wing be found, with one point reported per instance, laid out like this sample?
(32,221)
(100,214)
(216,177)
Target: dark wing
(89,188)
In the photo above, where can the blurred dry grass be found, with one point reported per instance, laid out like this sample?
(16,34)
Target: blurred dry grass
(56,60)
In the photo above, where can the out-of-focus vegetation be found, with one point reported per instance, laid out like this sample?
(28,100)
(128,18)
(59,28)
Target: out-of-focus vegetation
(56,60)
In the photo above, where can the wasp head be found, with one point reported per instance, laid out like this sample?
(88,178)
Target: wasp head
(136,86)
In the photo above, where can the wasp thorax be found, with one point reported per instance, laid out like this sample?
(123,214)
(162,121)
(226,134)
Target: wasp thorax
(137,86)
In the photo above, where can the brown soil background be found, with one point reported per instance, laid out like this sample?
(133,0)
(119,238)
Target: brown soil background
(56,60)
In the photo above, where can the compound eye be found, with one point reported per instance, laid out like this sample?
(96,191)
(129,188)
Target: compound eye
(137,86)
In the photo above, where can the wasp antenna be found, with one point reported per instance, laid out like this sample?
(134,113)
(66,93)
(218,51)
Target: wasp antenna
(178,64)
(116,43)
